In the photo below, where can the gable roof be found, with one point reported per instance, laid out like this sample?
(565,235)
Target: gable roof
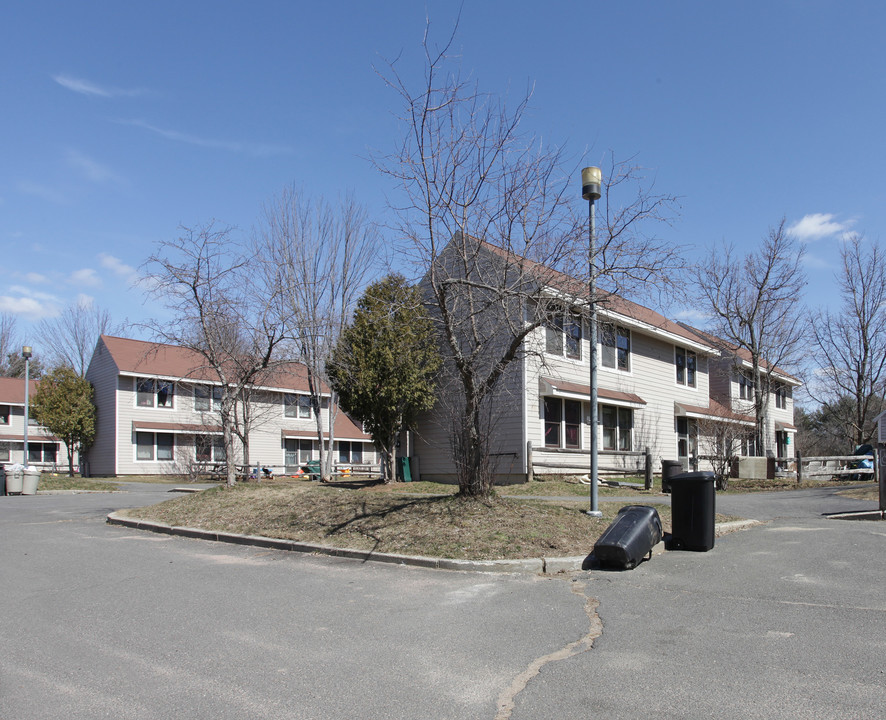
(609,304)
(137,357)
(742,354)
(12,390)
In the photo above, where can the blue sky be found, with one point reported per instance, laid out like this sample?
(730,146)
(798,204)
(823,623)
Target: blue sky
(122,121)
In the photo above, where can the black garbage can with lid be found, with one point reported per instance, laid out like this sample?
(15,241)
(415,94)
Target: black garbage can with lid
(693,508)
(669,468)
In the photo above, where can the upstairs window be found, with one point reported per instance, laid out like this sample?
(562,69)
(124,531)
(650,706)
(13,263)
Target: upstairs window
(686,363)
(4,414)
(154,393)
(615,343)
(207,397)
(297,406)
(745,387)
(782,393)
(563,335)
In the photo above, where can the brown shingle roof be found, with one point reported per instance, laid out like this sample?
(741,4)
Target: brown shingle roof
(605,302)
(12,390)
(137,357)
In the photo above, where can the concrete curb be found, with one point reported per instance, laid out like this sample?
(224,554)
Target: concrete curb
(534,566)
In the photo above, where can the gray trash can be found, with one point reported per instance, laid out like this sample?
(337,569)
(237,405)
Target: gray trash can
(14,477)
(669,468)
(693,509)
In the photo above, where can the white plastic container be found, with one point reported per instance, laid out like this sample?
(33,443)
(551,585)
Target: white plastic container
(30,480)
(14,478)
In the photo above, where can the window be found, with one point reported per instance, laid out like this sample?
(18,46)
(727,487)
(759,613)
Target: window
(615,343)
(4,414)
(207,397)
(208,448)
(617,426)
(150,445)
(297,406)
(686,363)
(781,396)
(4,452)
(350,452)
(745,387)
(563,333)
(562,423)
(154,393)
(165,446)
(297,452)
(748,446)
(42,452)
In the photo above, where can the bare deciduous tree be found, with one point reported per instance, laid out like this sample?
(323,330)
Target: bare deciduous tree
(753,303)
(219,312)
(850,345)
(9,344)
(492,220)
(70,338)
(319,256)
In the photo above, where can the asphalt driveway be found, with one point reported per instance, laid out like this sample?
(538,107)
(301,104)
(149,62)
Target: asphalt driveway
(783,620)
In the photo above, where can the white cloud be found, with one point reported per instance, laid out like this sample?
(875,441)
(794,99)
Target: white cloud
(36,278)
(32,305)
(87,87)
(85,301)
(817,226)
(85,276)
(91,169)
(255,149)
(118,267)
(692,316)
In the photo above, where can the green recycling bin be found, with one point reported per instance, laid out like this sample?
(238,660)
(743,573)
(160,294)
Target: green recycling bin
(404,472)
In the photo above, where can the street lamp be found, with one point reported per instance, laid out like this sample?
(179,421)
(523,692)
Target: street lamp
(591,178)
(26,354)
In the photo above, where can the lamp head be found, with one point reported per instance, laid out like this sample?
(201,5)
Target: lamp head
(27,351)
(591,178)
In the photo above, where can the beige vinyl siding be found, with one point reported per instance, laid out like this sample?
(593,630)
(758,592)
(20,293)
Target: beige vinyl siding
(652,376)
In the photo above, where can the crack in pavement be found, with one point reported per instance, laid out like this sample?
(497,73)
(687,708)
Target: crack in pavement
(583,644)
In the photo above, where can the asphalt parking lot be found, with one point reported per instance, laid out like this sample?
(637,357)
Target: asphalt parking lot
(783,620)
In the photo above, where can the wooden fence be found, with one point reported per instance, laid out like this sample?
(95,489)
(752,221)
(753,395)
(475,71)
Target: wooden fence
(836,466)
(578,463)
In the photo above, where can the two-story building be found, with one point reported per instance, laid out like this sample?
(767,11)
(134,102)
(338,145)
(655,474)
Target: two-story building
(158,413)
(659,386)
(45,451)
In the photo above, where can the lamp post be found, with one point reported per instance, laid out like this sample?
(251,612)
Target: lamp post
(26,354)
(591,178)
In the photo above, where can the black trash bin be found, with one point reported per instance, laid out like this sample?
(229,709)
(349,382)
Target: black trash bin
(2,480)
(669,468)
(630,538)
(693,505)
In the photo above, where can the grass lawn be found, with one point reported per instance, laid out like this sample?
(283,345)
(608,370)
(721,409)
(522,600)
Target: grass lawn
(50,481)
(870,492)
(414,519)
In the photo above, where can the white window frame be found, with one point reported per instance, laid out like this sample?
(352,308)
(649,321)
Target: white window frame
(617,430)
(683,370)
(610,353)
(141,384)
(564,334)
(297,406)
(155,446)
(212,399)
(561,423)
